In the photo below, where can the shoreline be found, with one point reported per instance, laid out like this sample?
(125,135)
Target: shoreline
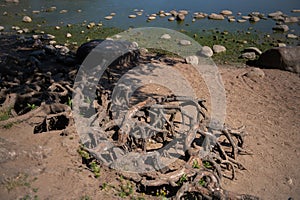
(72,36)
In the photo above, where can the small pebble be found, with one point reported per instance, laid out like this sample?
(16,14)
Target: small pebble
(171,19)
(206,51)
(192,60)
(108,17)
(35,37)
(165,36)
(185,42)
(51,9)
(63,11)
(91,25)
(25,30)
(290,181)
(292,36)
(226,12)
(132,16)
(68,35)
(151,17)
(249,55)
(241,20)
(48,37)
(35,12)
(27,19)
(296,11)
(246,17)
(15,28)
(281,45)
(52,42)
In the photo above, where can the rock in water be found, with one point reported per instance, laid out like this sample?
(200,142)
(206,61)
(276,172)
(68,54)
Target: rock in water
(180,17)
(109,17)
(254,19)
(113,51)
(291,20)
(226,12)
(275,14)
(241,20)
(171,19)
(216,16)
(281,27)
(284,58)
(132,16)
(151,18)
(184,12)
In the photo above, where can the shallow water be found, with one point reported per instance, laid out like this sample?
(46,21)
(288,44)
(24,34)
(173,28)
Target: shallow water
(96,10)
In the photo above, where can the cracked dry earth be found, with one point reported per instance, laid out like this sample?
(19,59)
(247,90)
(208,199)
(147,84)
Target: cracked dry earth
(48,166)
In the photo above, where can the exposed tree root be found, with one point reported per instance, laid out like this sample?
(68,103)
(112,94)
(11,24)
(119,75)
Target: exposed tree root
(147,133)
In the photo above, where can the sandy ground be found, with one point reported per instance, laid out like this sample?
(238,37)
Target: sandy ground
(47,166)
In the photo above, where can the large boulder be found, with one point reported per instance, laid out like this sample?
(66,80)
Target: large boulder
(122,52)
(284,58)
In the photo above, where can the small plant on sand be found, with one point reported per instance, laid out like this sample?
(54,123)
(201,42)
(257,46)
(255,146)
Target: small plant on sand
(127,188)
(17,181)
(196,164)
(104,186)
(83,153)
(207,164)
(69,102)
(202,182)
(87,100)
(5,115)
(162,193)
(182,179)
(89,161)
(8,125)
(85,197)
(31,106)
(29,197)
(95,169)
